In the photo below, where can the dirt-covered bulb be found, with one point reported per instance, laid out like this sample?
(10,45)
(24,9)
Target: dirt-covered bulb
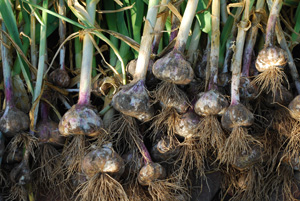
(13,121)
(173,68)
(104,160)
(133,100)
(151,172)
(80,120)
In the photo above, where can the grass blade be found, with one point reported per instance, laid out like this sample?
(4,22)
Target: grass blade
(295,37)
(11,25)
(204,16)
(56,15)
(137,14)
(112,25)
(124,48)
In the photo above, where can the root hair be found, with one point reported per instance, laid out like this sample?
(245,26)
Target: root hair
(133,167)
(17,192)
(191,157)
(238,142)
(283,123)
(167,189)
(282,184)
(211,131)
(47,161)
(292,148)
(136,192)
(123,129)
(101,187)
(252,185)
(72,155)
(3,180)
(272,147)
(270,81)
(167,91)
(49,174)
(165,121)
(23,140)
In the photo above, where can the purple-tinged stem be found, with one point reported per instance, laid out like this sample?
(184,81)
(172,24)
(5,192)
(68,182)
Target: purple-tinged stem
(215,44)
(44,111)
(235,94)
(85,76)
(87,59)
(143,149)
(185,25)
(274,14)
(145,153)
(159,26)
(228,55)
(205,55)
(62,33)
(33,52)
(251,39)
(6,70)
(175,23)
(249,46)
(270,30)
(253,71)
(207,67)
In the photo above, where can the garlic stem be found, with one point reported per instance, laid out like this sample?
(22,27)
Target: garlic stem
(144,151)
(175,25)
(86,71)
(238,56)
(207,67)
(44,111)
(251,39)
(62,33)
(159,26)
(215,44)
(250,42)
(87,58)
(186,24)
(224,14)
(33,51)
(146,41)
(6,70)
(195,39)
(274,14)
(231,41)
(41,63)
